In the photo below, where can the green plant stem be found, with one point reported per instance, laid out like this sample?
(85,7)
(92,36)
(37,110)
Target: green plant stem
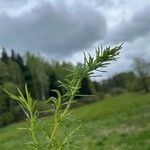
(34,138)
(71,98)
(57,123)
(54,130)
(32,128)
(66,138)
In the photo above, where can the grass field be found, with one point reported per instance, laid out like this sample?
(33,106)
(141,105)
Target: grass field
(117,123)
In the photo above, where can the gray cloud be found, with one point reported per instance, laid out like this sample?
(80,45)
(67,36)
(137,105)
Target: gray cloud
(7,3)
(52,30)
(100,3)
(59,29)
(12,5)
(137,25)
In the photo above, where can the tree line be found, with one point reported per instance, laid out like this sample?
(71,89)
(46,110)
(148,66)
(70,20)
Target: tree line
(135,80)
(42,76)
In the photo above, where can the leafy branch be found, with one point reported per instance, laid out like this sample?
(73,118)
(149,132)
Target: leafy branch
(71,86)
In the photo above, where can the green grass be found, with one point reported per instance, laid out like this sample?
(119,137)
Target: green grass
(117,123)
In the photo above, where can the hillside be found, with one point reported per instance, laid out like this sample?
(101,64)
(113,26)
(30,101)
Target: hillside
(117,123)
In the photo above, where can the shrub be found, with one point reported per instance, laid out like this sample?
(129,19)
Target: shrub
(18,114)
(6,118)
(116,91)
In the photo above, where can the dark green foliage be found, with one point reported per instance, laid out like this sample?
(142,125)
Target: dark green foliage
(127,81)
(116,91)
(142,69)
(5,57)
(85,88)
(6,118)
(52,84)
(13,55)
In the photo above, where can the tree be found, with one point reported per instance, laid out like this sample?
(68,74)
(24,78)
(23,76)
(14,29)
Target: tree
(142,69)
(85,87)
(14,71)
(52,84)
(13,55)
(11,87)
(5,57)
(39,71)
(4,72)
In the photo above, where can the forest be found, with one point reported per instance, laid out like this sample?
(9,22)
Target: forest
(42,77)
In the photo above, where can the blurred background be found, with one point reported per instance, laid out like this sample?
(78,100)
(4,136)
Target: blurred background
(40,39)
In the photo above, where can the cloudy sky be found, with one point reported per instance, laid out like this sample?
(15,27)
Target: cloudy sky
(62,29)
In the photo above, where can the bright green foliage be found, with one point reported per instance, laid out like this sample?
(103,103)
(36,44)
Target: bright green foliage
(120,122)
(51,131)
